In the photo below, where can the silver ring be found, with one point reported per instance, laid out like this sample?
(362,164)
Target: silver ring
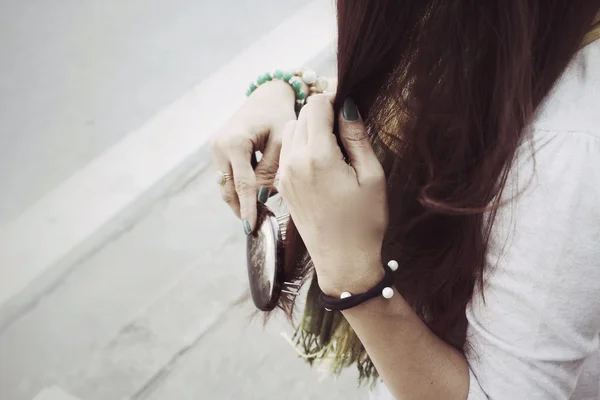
(222,178)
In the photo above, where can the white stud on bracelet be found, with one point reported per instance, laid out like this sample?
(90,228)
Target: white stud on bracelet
(345,295)
(393,264)
(387,292)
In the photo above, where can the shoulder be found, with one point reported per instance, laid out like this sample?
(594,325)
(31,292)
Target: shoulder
(562,156)
(574,103)
(537,321)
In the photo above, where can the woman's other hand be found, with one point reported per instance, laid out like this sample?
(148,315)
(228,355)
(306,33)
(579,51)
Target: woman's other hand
(340,210)
(256,126)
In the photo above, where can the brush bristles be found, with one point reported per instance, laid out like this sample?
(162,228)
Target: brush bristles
(283,220)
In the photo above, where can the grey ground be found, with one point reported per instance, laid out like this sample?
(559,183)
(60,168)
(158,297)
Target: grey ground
(155,313)
(78,75)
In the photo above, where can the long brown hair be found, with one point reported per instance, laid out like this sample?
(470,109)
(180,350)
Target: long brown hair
(447,89)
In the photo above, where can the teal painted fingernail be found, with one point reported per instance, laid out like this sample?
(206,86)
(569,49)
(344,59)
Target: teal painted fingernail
(263,194)
(350,110)
(247,227)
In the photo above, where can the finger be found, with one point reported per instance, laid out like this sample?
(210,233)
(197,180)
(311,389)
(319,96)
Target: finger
(355,139)
(287,141)
(222,165)
(245,186)
(267,167)
(319,116)
(300,132)
(229,195)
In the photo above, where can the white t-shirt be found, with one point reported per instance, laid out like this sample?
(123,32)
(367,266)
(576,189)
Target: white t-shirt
(537,334)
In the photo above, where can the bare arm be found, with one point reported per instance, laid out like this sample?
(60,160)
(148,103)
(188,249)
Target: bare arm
(323,192)
(413,362)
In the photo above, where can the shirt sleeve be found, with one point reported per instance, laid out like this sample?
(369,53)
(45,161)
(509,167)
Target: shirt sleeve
(539,317)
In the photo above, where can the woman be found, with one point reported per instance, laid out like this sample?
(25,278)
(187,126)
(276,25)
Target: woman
(472,131)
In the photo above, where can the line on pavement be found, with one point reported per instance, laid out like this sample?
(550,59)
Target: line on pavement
(54,393)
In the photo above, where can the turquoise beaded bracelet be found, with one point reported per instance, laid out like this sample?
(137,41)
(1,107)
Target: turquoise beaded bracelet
(316,84)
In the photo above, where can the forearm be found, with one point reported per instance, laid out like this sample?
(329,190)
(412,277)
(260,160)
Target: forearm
(413,362)
(343,220)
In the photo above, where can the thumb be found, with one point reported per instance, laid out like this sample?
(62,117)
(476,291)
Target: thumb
(354,138)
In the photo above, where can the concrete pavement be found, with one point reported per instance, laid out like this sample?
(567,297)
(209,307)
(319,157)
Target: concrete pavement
(149,309)
(110,191)
(77,76)
(153,315)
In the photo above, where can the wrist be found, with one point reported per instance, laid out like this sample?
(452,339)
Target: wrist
(279,92)
(276,90)
(355,279)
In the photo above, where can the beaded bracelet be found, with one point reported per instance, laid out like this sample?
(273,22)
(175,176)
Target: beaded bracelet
(348,300)
(315,83)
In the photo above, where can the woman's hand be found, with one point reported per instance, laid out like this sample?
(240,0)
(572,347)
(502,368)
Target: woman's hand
(340,210)
(257,126)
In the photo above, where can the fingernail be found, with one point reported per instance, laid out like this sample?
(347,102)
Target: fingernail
(263,194)
(350,111)
(247,227)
